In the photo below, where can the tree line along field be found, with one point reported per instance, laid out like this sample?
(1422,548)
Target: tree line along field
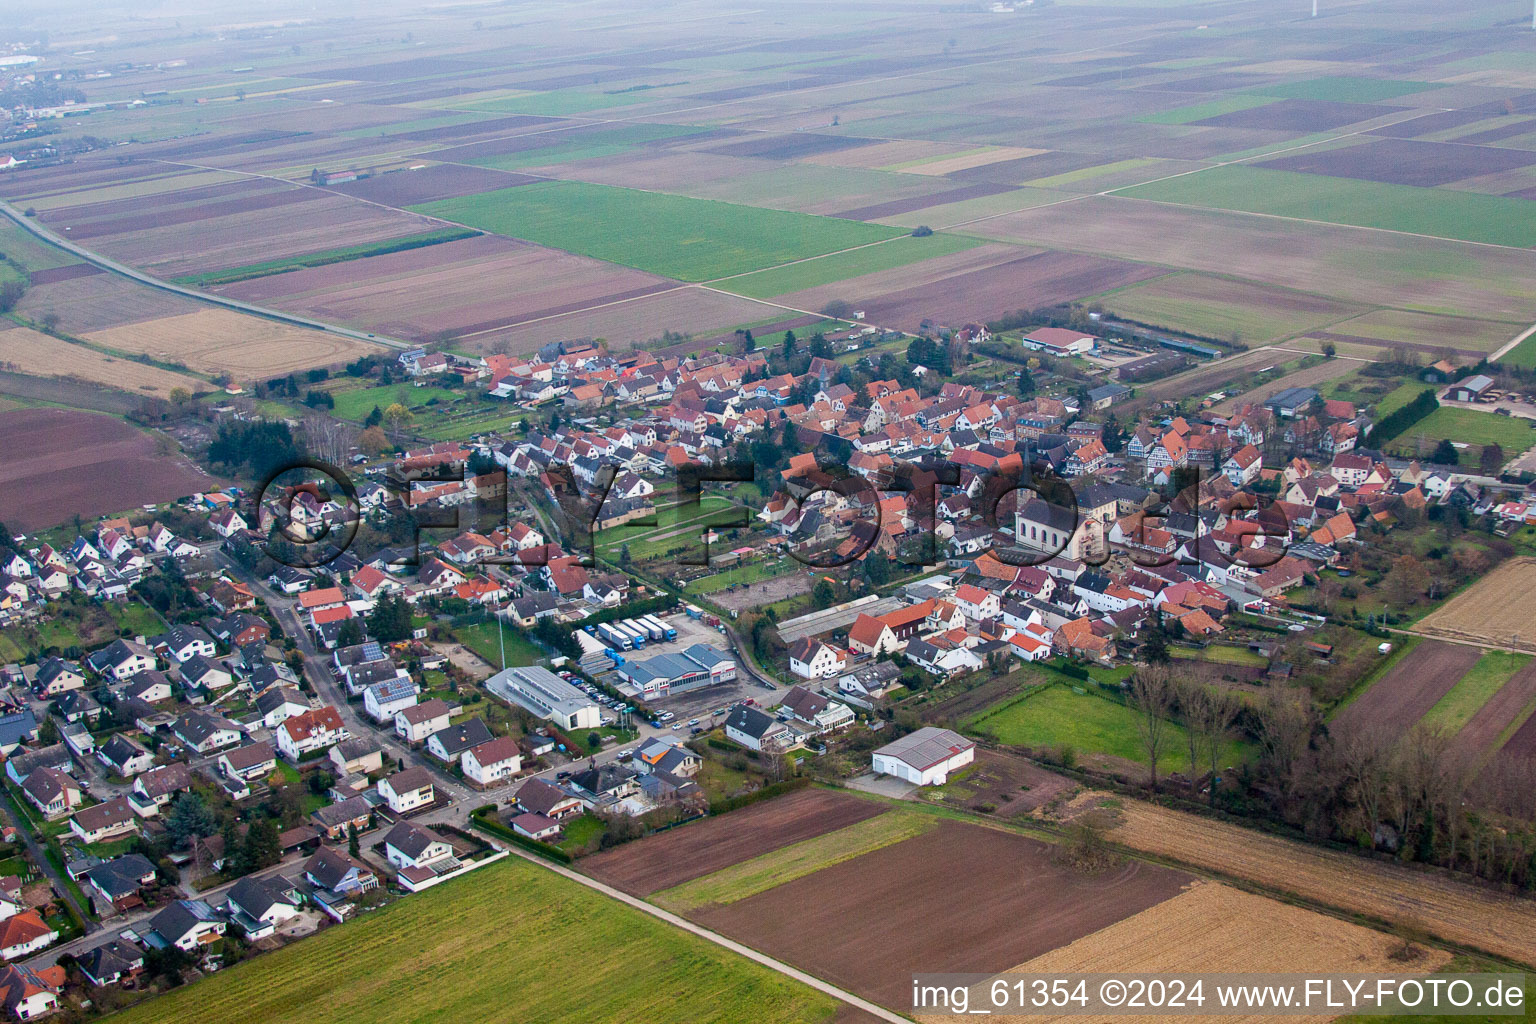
(1471,429)
(1094,727)
(675,236)
(509,943)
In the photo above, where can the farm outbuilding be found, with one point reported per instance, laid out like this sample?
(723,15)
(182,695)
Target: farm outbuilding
(925,757)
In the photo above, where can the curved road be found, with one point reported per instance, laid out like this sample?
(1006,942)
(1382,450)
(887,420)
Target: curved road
(114,267)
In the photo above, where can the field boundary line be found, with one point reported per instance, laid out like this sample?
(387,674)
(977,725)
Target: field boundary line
(123,270)
(763,959)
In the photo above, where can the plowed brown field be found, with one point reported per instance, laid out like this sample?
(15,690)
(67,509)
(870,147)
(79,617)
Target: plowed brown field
(671,858)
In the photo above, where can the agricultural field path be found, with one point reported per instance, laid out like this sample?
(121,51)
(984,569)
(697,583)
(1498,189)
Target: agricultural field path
(114,267)
(865,1005)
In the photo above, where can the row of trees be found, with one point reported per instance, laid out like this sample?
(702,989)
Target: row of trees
(1419,795)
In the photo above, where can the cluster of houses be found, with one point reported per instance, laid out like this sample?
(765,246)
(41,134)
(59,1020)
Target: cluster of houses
(103,567)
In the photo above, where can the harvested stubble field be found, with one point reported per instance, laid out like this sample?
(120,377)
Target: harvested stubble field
(222,340)
(27,351)
(1212,928)
(1455,911)
(496,946)
(671,858)
(1405,693)
(1497,609)
(58,462)
(957,898)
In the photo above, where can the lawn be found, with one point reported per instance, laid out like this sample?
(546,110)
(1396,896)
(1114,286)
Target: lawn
(482,638)
(506,943)
(1220,654)
(577,834)
(763,872)
(677,526)
(1471,216)
(1470,427)
(1482,681)
(1058,716)
(675,236)
(898,252)
(16,243)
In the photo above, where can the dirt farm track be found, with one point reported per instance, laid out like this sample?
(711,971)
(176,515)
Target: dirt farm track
(58,463)
(1498,609)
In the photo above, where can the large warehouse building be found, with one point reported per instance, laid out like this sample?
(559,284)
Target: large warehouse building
(925,757)
(546,695)
(696,666)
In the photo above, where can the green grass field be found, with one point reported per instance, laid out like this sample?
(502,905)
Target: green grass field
(1523,354)
(1220,654)
(751,572)
(898,252)
(357,403)
(511,942)
(611,141)
(1470,216)
(1344,89)
(1057,716)
(1217,308)
(675,527)
(482,638)
(30,251)
(675,236)
(1470,427)
(1201,111)
(1472,691)
(797,860)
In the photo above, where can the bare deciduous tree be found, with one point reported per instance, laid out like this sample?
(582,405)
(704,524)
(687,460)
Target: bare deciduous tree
(1152,695)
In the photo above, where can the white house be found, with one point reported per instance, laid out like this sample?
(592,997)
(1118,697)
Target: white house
(408,790)
(384,700)
(411,846)
(755,730)
(414,724)
(809,658)
(492,762)
(925,757)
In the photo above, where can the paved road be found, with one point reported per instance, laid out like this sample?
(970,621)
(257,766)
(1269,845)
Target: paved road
(112,266)
(40,858)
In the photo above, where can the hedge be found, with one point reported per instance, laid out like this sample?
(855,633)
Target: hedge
(1402,418)
(496,828)
(768,792)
